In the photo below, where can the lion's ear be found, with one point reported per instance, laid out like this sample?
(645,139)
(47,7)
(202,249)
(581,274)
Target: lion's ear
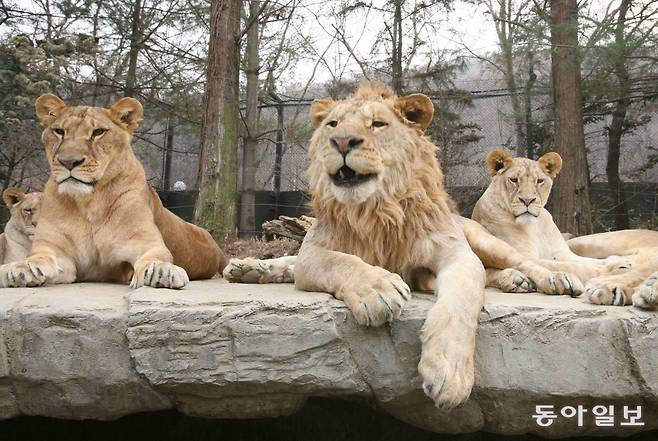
(320,109)
(48,108)
(417,109)
(128,113)
(497,160)
(551,164)
(12,196)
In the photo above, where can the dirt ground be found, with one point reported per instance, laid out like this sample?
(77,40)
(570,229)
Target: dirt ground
(260,248)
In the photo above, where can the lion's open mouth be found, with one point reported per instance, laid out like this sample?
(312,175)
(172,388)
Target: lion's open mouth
(346,177)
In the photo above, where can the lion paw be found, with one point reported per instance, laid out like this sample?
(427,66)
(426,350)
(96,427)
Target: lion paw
(27,273)
(251,270)
(375,296)
(447,363)
(560,283)
(159,275)
(646,295)
(512,280)
(608,293)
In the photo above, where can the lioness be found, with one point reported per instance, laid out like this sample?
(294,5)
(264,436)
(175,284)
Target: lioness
(16,241)
(639,285)
(512,209)
(100,219)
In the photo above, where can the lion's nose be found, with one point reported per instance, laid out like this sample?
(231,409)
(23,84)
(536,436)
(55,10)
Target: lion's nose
(71,163)
(345,143)
(528,201)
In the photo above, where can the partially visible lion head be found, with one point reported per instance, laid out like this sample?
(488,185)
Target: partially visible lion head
(83,143)
(24,209)
(520,184)
(368,145)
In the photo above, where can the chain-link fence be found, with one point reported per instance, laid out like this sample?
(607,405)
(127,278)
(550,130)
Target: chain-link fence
(285,131)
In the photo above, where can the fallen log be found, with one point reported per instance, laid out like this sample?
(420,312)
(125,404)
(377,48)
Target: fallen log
(294,228)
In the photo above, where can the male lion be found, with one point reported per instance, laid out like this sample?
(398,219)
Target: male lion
(16,241)
(383,220)
(512,209)
(382,212)
(100,219)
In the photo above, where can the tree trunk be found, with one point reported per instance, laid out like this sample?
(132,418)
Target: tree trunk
(135,41)
(527,102)
(502,16)
(169,154)
(510,82)
(248,199)
(396,53)
(217,177)
(570,203)
(616,128)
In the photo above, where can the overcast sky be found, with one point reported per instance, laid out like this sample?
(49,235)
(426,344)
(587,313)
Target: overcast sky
(466,25)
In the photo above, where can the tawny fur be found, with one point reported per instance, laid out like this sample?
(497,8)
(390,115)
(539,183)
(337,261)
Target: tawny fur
(639,285)
(100,219)
(397,223)
(16,240)
(512,209)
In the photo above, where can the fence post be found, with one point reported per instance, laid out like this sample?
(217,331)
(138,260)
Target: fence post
(278,158)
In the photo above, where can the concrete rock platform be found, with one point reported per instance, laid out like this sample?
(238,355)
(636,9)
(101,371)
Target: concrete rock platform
(214,349)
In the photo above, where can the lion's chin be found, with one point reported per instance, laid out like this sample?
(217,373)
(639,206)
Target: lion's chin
(526,218)
(355,194)
(74,188)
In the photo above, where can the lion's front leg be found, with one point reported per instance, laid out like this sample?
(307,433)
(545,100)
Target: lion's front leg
(447,363)
(155,268)
(374,295)
(43,267)
(152,262)
(496,253)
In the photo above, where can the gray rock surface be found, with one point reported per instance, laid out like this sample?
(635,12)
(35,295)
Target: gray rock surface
(242,351)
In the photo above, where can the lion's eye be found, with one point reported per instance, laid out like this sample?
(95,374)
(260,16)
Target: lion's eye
(59,132)
(376,124)
(514,180)
(27,210)
(540,181)
(332,123)
(97,132)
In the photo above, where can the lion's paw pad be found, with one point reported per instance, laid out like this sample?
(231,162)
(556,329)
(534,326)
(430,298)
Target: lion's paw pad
(160,275)
(378,300)
(244,270)
(607,295)
(21,274)
(561,283)
(447,384)
(646,295)
(515,281)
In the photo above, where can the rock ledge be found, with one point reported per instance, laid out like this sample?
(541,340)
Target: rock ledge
(241,351)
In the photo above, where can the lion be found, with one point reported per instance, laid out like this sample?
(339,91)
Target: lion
(385,224)
(513,209)
(100,220)
(639,285)
(16,241)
